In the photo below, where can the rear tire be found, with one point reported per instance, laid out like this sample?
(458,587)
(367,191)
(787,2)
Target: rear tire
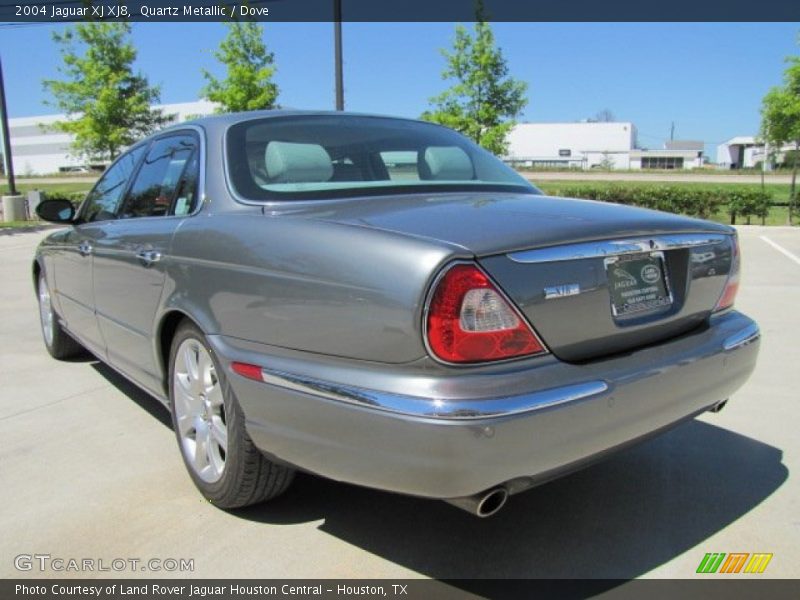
(209,425)
(58,342)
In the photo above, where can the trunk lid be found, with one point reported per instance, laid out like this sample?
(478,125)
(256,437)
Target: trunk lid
(490,223)
(592,278)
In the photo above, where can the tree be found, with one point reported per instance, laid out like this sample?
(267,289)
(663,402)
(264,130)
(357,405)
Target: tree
(607,163)
(250,67)
(604,116)
(780,119)
(107,104)
(484,100)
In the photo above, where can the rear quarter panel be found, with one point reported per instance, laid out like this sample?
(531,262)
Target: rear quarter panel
(304,284)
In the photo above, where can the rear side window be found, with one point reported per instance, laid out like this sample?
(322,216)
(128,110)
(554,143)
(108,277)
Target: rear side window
(166,182)
(104,200)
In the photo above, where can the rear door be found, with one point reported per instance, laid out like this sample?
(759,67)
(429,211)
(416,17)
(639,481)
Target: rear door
(130,262)
(74,262)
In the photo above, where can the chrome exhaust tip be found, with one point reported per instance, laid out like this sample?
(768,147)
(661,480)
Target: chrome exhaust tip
(484,504)
(718,406)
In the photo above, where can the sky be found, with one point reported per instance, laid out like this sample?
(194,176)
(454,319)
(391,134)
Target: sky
(707,78)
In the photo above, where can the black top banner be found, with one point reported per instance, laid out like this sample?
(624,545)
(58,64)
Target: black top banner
(59,11)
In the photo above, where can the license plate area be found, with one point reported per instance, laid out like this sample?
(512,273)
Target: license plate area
(638,284)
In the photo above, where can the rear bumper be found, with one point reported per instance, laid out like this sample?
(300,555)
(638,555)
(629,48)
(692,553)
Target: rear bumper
(543,417)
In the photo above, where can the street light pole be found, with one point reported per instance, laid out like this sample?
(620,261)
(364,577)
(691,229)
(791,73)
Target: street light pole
(337,44)
(9,163)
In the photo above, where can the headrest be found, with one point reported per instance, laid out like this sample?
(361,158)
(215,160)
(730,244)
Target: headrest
(288,162)
(445,163)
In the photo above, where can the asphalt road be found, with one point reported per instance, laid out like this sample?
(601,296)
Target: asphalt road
(90,469)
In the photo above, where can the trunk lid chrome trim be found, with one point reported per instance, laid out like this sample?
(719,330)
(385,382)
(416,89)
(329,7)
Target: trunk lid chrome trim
(607,248)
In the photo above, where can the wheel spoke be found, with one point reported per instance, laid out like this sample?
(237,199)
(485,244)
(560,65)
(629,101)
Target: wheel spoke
(205,370)
(190,360)
(186,424)
(214,459)
(201,450)
(187,402)
(219,432)
(214,396)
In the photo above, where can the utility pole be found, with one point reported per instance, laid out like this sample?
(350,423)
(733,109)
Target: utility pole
(672,132)
(337,45)
(9,164)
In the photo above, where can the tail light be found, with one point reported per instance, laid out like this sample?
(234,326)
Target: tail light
(732,284)
(469,320)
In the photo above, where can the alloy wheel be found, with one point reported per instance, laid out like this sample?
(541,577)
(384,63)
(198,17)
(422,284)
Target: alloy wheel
(200,411)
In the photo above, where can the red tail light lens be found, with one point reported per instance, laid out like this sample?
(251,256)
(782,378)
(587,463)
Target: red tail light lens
(469,320)
(728,296)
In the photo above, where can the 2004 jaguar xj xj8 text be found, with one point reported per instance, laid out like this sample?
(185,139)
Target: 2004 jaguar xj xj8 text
(381,302)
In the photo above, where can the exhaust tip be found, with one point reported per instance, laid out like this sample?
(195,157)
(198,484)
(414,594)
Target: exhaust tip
(492,502)
(718,406)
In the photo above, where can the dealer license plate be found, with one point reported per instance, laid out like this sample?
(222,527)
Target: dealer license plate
(638,283)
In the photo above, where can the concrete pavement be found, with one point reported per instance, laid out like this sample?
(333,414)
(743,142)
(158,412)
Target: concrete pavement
(90,469)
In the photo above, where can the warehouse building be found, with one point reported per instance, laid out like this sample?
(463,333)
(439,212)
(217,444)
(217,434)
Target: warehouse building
(740,152)
(747,152)
(594,145)
(38,149)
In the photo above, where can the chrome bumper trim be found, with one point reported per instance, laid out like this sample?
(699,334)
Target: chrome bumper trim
(416,406)
(746,336)
(606,248)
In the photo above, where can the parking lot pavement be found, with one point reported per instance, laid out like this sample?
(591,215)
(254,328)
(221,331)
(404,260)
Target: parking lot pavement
(90,469)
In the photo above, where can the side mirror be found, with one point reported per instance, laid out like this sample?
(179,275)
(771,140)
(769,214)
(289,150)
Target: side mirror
(57,210)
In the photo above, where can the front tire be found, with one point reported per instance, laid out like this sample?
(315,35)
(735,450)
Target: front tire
(58,342)
(218,453)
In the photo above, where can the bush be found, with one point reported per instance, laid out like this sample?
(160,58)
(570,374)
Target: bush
(748,203)
(697,203)
(702,203)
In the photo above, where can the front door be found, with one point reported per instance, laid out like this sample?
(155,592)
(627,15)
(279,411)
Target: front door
(73,264)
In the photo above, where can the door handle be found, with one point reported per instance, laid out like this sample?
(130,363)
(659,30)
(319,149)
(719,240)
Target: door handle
(85,248)
(148,257)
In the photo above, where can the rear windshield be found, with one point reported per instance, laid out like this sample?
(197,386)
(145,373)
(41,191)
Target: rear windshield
(326,156)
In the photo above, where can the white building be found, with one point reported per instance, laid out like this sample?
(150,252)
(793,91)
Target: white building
(39,150)
(588,145)
(747,152)
(577,145)
(739,152)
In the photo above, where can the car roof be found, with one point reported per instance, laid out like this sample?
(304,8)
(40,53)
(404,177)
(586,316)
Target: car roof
(226,119)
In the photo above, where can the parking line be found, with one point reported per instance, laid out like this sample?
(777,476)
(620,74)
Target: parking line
(781,249)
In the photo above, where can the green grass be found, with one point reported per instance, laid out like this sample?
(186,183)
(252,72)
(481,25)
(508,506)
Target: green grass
(53,188)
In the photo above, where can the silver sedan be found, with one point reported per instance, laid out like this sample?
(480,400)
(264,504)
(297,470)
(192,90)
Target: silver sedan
(380,301)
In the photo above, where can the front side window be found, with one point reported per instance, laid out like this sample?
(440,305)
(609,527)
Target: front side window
(323,156)
(166,181)
(103,202)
